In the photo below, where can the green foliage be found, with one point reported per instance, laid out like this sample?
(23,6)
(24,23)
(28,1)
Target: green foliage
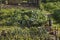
(56,15)
(17,33)
(50,6)
(28,18)
(22,17)
(45,1)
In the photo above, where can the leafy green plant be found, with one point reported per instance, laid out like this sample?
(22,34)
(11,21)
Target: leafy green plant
(17,33)
(56,15)
(22,17)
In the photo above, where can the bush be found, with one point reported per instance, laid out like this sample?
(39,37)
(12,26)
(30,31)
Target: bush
(56,15)
(22,17)
(52,6)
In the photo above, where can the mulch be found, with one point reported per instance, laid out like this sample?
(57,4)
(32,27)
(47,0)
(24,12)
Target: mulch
(18,6)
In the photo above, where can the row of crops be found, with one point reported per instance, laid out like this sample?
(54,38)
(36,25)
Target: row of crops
(17,33)
(16,24)
(18,17)
(21,24)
